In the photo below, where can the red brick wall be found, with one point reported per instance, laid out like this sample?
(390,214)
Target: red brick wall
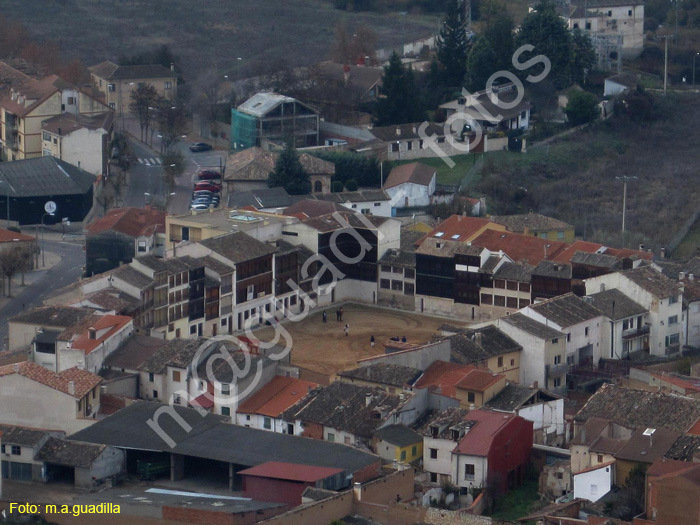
(277,490)
(384,490)
(206,517)
(312,430)
(371,471)
(321,512)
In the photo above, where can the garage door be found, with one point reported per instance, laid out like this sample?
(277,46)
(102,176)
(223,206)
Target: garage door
(21,471)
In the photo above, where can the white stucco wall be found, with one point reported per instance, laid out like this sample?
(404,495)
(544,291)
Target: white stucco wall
(83,148)
(417,194)
(594,484)
(443,463)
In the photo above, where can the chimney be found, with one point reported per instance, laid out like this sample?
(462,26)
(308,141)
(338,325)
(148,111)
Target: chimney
(478,338)
(415,130)
(71,387)
(398,131)
(602,287)
(526,230)
(368,399)
(681,276)
(663,253)
(15,367)
(172,67)
(641,247)
(59,132)
(535,385)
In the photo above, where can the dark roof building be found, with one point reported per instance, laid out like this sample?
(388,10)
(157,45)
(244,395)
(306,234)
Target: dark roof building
(134,352)
(477,346)
(514,397)
(651,280)
(566,310)
(532,327)
(69,453)
(177,353)
(616,305)
(261,199)
(382,373)
(53,316)
(530,223)
(32,182)
(414,173)
(398,435)
(238,247)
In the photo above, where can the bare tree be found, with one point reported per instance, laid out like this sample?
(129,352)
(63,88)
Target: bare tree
(143,101)
(171,121)
(173,165)
(105,200)
(13,260)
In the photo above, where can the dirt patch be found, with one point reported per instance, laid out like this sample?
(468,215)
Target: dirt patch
(324,348)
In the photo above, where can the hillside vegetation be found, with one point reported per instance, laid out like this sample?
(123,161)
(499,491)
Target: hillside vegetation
(575,179)
(208,32)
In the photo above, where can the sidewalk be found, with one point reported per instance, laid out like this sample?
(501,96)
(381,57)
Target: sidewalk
(50,259)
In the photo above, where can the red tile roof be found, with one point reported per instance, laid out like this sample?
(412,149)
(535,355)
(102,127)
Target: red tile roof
(450,376)
(111,323)
(414,172)
(203,401)
(520,248)
(464,227)
(663,467)
(9,236)
(83,381)
(478,441)
(291,471)
(133,222)
(690,384)
(592,247)
(276,396)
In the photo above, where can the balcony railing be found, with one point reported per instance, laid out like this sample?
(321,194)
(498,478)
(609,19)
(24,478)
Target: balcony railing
(226,309)
(635,332)
(557,370)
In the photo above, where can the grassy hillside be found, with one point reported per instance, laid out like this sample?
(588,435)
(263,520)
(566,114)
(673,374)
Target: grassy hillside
(206,32)
(575,179)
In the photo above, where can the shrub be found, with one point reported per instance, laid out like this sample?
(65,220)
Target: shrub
(351,185)
(337,186)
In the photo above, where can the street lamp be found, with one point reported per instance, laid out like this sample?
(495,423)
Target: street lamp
(624,179)
(694,57)
(147,195)
(43,252)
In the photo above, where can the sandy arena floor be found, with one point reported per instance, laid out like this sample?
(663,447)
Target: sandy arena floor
(324,348)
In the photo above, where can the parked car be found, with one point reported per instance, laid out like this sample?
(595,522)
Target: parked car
(203,193)
(200,146)
(202,201)
(207,185)
(199,207)
(209,175)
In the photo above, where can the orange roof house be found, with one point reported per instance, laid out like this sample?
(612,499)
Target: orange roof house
(471,385)
(461,229)
(278,395)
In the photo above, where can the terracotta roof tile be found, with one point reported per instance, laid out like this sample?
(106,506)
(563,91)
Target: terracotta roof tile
(520,248)
(479,439)
(109,324)
(276,396)
(461,229)
(413,172)
(133,222)
(83,381)
(10,236)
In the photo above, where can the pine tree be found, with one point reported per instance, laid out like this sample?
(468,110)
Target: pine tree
(453,44)
(582,56)
(401,102)
(499,34)
(289,173)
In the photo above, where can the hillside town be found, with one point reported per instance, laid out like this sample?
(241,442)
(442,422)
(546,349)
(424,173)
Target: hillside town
(391,286)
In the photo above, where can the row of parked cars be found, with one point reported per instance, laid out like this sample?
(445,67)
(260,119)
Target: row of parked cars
(207,190)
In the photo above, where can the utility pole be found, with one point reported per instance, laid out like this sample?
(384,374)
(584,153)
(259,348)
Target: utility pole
(624,179)
(666,37)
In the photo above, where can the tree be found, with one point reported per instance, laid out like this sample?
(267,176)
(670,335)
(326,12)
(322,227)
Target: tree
(401,102)
(171,122)
(12,261)
(499,34)
(143,100)
(105,200)
(289,173)
(351,185)
(480,65)
(582,56)
(453,44)
(582,107)
(173,165)
(336,186)
(544,29)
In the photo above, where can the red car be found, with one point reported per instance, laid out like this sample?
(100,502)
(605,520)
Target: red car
(207,185)
(209,175)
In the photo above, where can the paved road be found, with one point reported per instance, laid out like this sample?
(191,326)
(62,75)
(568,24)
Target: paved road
(146,174)
(64,273)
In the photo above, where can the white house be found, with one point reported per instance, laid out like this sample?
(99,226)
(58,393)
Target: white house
(543,358)
(440,437)
(81,140)
(626,329)
(36,397)
(579,320)
(411,185)
(661,296)
(615,26)
(619,83)
(595,482)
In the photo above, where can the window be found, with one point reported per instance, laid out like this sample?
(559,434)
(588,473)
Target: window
(168,85)
(560,235)
(150,377)
(394,147)
(267,424)
(471,397)
(500,361)
(403,455)
(557,382)
(555,341)
(45,136)
(386,268)
(524,287)
(397,286)
(433,453)
(511,302)
(420,144)
(468,472)
(185,233)
(193,329)
(511,285)
(155,394)
(71,101)
(16,450)
(224,321)
(176,399)
(176,376)
(433,477)
(588,26)
(408,289)
(560,475)
(365,211)
(414,451)
(377,204)
(512,362)
(397,269)
(600,458)
(499,300)
(568,337)
(557,359)
(585,331)
(225,389)
(409,273)
(225,411)
(112,105)
(522,303)
(2,448)
(110,87)
(672,339)
(486,298)
(384,283)
(673,299)
(499,283)
(250,292)
(629,12)
(347,440)
(331,437)
(292,301)
(673,319)
(55,140)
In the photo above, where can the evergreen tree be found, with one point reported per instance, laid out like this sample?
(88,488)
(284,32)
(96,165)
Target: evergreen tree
(401,102)
(582,55)
(453,44)
(480,65)
(547,32)
(289,173)
(499,34)
(582,107)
